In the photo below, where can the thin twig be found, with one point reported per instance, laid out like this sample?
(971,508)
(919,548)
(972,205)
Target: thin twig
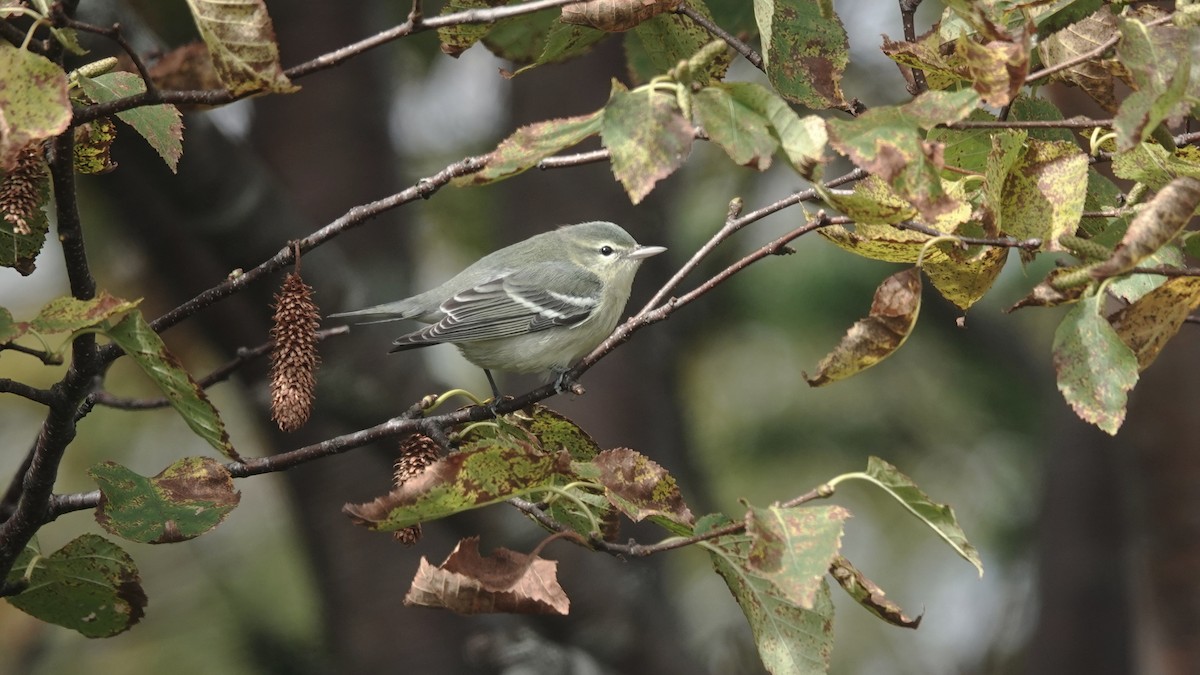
(908,10)
(740,47)
(46,357)
(577,159)
(215,97)
(1096,52)
(61,20)
(1073,123)
(1004,242)
(43,396)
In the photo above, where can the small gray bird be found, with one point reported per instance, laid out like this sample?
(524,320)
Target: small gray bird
(538,305)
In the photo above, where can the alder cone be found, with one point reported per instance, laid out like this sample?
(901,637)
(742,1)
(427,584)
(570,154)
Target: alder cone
(294,357)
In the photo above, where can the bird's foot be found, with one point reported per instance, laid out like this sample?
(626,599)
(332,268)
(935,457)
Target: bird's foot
(564,383)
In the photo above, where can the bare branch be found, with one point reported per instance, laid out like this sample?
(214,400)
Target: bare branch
(43,396)
(740,47)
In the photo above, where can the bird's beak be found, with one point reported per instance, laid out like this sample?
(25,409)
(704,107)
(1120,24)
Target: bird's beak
(642,252)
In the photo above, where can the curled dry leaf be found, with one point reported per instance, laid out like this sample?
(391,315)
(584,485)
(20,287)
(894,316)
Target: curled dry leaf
(506,581)
(893,315)
(1154,226)
(614,16)
(866,593)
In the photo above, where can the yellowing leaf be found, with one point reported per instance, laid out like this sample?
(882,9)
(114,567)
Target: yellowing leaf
(893,315)
(486,472)
(1148,324)
(33,102)
(1044,191)
(868,594)
(531,144)
(965,281)
(241,39)
(996,70)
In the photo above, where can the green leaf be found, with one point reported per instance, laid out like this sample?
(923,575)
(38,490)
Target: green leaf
(531,144)
(790,639)
(744,134)
(792,548)
(670,38)
(458,38)
(486,472)
(1160,60)
(90,585)
(66,314)
(33,102)
(938,517)
(1154,165)
(565,41)
(9,329)
(188,498)
(802,139)
(521,39)
(147,350)
(1044,191)
(806,51)
(161,125)
(241,40)
(647,137)
(638,486)
(893,314)
(1095,369)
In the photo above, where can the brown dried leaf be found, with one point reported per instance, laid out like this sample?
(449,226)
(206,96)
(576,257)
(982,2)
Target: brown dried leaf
(869,595)
(506,581)
(614,16)
(185,68)
(1094,76)
(893,315)
(640,487)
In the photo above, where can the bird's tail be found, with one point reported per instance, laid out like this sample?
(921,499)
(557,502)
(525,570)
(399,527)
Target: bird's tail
(389,311)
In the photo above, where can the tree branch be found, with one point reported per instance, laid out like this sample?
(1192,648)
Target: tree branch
(740,47)
(414,24)
(908,10)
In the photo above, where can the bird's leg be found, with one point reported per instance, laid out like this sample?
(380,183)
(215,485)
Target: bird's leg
(492,382)
(495,393)
(564,383)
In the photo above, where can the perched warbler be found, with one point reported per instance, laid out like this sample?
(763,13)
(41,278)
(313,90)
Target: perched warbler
(538,305)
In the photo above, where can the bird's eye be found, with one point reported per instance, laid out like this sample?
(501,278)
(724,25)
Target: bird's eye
(606,250)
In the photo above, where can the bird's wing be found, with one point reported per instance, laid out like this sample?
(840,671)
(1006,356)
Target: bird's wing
(533,298)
